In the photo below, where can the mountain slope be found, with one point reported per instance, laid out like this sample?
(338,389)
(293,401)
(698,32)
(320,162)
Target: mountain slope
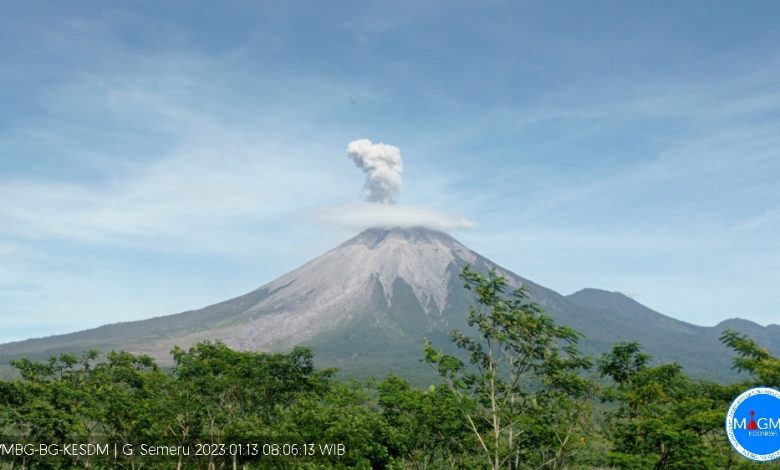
(666,339)
(366,306)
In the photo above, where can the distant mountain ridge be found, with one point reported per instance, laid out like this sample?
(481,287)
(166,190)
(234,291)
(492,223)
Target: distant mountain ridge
(366,306)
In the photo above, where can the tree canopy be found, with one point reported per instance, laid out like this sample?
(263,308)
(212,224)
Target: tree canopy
(517,394)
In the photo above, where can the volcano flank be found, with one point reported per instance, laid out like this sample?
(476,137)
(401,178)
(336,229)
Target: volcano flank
(366,306)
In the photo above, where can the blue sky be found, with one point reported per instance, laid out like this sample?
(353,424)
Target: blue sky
(161,156)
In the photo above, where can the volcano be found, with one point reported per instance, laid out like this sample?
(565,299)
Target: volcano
(366,306)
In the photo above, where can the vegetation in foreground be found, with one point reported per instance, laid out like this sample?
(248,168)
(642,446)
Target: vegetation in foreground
(521,396)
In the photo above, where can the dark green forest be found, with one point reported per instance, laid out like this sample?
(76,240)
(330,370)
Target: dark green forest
(520,395)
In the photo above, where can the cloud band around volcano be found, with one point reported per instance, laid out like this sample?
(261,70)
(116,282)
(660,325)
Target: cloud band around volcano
(366,215)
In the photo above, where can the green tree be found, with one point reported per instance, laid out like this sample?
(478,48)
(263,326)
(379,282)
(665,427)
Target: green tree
(428,426)
(664,419)
(71,399)
(521,393)
(50,404)
(342,415)
(127,391)
(224,396)
(751,357)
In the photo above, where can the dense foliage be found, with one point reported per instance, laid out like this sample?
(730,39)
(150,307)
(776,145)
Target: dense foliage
(520,396)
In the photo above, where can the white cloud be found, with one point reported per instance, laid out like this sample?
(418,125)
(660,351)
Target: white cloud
(184,201)
(362,216)
(186,176)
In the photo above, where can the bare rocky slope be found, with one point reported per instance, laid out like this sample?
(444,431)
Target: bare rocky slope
(366,306)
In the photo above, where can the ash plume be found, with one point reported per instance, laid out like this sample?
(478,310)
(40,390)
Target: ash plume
(382,165)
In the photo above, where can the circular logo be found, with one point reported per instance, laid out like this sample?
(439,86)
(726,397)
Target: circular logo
(753,424)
